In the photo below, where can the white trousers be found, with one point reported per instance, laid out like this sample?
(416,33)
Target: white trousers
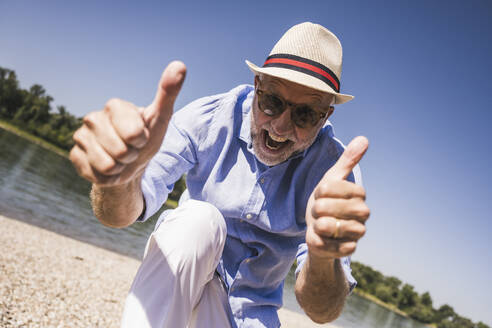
(176,284)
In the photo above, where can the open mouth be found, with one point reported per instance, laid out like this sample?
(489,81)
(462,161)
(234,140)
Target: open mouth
(274,143)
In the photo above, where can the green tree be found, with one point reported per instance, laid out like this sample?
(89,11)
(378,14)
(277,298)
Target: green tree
(394,284)
(384,293)
(11,97)
(462,322)
(367,278)
(443,313)
(408,298)
(422,313)
(426,299)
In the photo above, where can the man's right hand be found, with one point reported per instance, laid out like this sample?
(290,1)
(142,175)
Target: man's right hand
(114,145)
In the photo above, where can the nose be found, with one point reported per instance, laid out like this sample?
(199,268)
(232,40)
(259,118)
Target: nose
(282,125)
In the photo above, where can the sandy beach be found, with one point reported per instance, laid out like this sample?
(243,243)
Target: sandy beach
(49,280)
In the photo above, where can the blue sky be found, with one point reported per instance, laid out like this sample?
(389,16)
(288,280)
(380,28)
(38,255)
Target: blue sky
(420,72)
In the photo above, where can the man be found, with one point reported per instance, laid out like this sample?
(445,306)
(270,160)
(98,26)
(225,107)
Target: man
(267,182)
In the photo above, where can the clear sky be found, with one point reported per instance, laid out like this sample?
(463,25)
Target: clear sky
(420,71)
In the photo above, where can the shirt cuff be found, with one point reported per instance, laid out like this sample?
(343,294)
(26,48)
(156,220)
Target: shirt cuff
(345,261)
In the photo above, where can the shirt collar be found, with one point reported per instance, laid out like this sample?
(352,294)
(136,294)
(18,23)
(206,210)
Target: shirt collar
(245,130)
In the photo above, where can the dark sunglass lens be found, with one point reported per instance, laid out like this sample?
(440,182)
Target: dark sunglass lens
(304,116)
(274,104)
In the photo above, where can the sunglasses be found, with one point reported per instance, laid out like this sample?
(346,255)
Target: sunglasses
(302,115)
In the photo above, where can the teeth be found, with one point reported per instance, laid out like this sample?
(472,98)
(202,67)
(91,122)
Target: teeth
(277,139)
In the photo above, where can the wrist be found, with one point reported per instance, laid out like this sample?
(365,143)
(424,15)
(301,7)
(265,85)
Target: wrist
(319,260)
(118,206)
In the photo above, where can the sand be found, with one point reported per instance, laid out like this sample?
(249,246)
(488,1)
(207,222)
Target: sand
(49,280)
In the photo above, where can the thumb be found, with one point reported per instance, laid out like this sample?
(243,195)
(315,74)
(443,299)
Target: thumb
(170,84)
(349,159)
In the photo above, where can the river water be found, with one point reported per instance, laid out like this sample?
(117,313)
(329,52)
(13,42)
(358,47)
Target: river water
(42,188)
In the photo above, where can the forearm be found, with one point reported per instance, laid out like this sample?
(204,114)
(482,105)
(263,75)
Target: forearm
(321,289)
(118,206)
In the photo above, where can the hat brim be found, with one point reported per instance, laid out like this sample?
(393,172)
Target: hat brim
(299,78)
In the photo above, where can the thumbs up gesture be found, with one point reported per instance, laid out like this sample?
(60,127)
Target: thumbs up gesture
(114,145)
(336,211)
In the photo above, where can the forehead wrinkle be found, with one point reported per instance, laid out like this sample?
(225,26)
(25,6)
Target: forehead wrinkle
(273,83)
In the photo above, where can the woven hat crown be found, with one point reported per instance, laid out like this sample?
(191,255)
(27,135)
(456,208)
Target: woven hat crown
(307,54)
(314,42)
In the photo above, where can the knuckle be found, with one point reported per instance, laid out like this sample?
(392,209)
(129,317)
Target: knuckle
(348,248)
(90,118)
(322,189)
(363,230)
(107,166)
(359,191)
(121,152)
(133,132)
(73,156)
(359,230)
(77,137)
(320,226)
(364,212)
(312,241)
(316,210)
(360,210)
(111,104)
(81,137)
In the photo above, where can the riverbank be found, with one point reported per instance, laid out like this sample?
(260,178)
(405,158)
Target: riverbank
(49,280)
(171,203)
(376,300)
(37,140)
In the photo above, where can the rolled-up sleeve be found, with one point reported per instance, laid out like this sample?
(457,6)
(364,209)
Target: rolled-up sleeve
(177,154)
(302,252)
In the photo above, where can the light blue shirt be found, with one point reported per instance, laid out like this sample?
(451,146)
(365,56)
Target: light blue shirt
(263,207)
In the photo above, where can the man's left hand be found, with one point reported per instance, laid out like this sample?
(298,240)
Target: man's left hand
(336,211)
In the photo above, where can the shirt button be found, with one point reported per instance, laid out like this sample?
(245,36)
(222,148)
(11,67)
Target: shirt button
(247,260)
(249,216)
(262,180)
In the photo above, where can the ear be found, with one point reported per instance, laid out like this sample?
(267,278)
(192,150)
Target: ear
(257,80)
(330,111)
(328,114)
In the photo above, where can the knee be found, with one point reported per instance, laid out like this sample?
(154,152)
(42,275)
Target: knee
(194,231)
(204,220)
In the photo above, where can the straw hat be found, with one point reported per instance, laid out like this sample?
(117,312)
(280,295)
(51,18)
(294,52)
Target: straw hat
(310,55)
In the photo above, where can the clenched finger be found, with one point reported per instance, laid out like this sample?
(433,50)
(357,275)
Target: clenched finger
(99,160)
(329,248)
(339,189)
(84,169)
(127,122)
(348,230)
(347,209)
(108,138)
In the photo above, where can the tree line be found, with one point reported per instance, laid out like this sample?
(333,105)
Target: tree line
(31,111)
(391,290)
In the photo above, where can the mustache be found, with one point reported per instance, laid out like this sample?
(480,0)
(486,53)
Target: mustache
(270,130)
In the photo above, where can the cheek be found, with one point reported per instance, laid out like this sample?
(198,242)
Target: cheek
(305,136)
(260,119)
